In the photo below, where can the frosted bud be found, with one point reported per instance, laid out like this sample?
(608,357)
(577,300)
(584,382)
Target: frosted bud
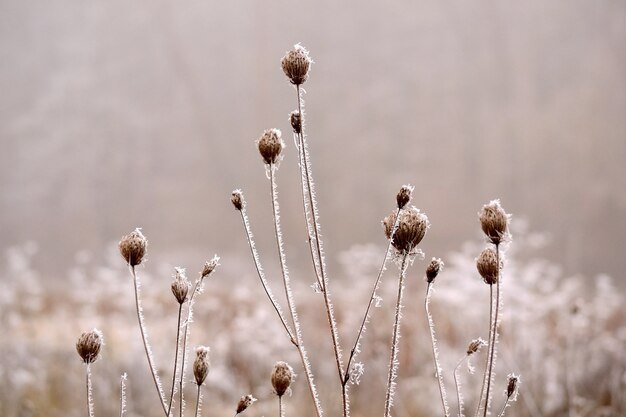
(487,265)
(282,377)
(434,268)
(237,199)
(296,64)
(404,195)
(245,402)
(201,364)
(494,221)
(133,247)
(180,285)
(89,345)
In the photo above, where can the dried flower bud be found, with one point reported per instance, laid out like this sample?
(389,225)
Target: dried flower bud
(296,64)
(494,221)
(512,387)
(487,265)
(282,377)
(296,121)
(475,346)
(404,195)
(133,247)
(245,402)
(180,285)
(237,199)
(411,229)
(89,345)
(434,268)
(270,145)
(201,364)
(209,266)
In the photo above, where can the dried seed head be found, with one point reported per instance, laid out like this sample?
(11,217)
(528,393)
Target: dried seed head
(434,268)
(89,345)
(475,346)
(245,402)
(411,229)
(404,195)
(133,247)
(487,265)
(494,221)
(270,146)
(282,377)
(296,64)
(237,199)
(512,387)
(180,285)
(296,121)
(209,266)
(201,364)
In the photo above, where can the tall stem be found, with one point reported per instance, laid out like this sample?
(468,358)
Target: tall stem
(89,394)
(280,406)
(198,400)
(431,327)
(459,396)
(169,407)
(482,389)
(122,395)
(393,361)
(495,333)
(506,402)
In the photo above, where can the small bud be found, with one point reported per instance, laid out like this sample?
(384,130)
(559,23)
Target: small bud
(201,364)
(512,387)
(434,268)
(411,229)
(282,377)
(245,402)
(475,346)
(296,64)
(209,266)
(270,146)
(404,195)
(487,265)
(296,121)
(494,221)
(180,285)
(133,247)
(237,199)
(89,345)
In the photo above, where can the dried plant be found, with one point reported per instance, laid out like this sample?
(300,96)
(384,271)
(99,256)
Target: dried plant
(282,377)
(88,347)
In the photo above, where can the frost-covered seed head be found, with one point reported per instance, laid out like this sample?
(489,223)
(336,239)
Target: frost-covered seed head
(89,345)
(180,285)
(201,365)
(475,346)
(237,199)
(512,386)
(296,121)
(245,402)
(270,146)
(487,265)
(133,247)
(282,377)
(209,266)
(494,221)
(411,229)
(434,268)
(296,64)
(404,195)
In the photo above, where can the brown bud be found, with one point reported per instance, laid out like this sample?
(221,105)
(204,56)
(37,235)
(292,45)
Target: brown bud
(209,266)
(412,227)
(89,345)
(237,199)
(487,265)
(282,377)
(245,402)
(512,386)
(404,195)
(180,285)
(133,247)
(494,221)
(296,121)
(434,268)
(296,64)
(270,146)
(201,364)
(475,346)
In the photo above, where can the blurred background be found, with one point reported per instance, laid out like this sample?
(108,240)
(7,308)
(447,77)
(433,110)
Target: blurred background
(116,115)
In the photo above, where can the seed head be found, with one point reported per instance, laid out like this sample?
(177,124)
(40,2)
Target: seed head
(180,285)
(282,377)
(133,247)
(411,229)
(296,121)
(475,346)
(494,221)
(237,199)
(201,365)
(487,265)
(404,195)
(209,266)
(89,345)
(512,386)
(270,146)
(434,268)
(245,402)
(296,64)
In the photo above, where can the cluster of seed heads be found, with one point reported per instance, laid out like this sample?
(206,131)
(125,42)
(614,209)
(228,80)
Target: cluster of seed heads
(296,64)
(270,146)
(133,247)
(89,345)
(494,221)
(434,268)
(411,229)
(201,365)
(282,377)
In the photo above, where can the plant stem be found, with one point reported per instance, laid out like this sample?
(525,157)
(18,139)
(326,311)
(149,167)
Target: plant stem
(198,399)
(89,394)
(506,402)
(122,395)
(482,389)
(393,361)
(495,333)
(459,396)
(431,326)
(280,406)
(169,407)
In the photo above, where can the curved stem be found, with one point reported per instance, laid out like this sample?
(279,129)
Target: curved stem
(431,327)
(459,396)
(482,389)
(89,395)
(495,333)
(169,407)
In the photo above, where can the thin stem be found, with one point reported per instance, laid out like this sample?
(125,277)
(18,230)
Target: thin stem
(288,294)
(459,396)
(196,289)
(393,361)
(122,395)
(169,407)
(506,402)
(144,338)
(431,326)
(198,400)
(89,395)
(280,406)
(482,389)
(495,333)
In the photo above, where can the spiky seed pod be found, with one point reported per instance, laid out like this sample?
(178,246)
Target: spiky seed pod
(282,377)
(296,64)
(180,285)
(245,402)
(89,345)
(512,386)
(133,247)
(209,266)
(494,221)
(411,229)
(475,346)
(237,199)
(434,268)
(487,265)
(201,365)
(404,195)
(270,145)
(296,121)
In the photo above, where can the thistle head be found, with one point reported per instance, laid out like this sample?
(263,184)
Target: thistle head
(296,64)
(270,146)
(89,345)
(180,285)
(201,365)
(434,268)
(475,346)
(404,195)
(487,265)
(282,377)
(209,266)
(237,199)
(245,402)
(133,247)
(494,221)
(512,387)
(296,121)
(412,227)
